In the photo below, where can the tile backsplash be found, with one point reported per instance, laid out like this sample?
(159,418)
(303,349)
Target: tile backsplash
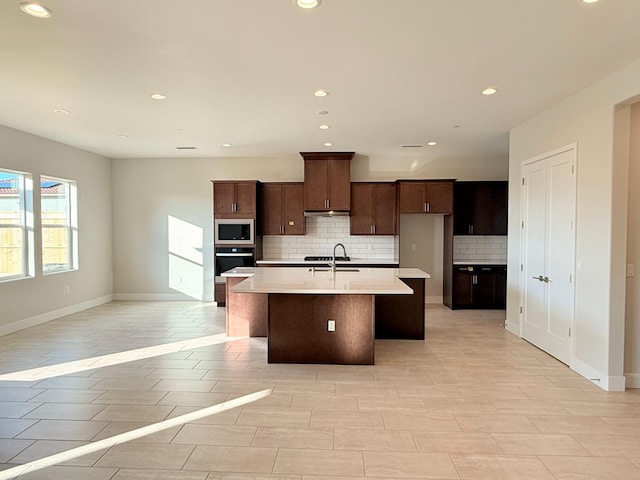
(491,248)
(322,234)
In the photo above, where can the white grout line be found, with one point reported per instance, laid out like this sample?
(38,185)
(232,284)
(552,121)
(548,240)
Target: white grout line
(131,435)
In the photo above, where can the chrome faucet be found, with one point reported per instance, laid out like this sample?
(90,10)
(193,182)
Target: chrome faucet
(333,261)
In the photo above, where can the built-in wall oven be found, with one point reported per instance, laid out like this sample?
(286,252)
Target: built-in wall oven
(228,258)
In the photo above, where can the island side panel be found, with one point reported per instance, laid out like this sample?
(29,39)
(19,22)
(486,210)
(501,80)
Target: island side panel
(298,329)
(402,316)
(246,313)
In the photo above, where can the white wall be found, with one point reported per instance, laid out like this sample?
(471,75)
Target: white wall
(33,300)
(588,119)
(632,317)
(148,191)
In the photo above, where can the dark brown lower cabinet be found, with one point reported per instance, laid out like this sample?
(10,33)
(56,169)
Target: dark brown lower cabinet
(402,316)
(479,286)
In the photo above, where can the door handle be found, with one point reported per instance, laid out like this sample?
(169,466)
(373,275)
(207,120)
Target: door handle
(546,280)
(540,278)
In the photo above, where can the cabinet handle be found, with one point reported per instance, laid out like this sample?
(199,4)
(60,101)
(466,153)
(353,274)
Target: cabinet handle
(428,207)
(328,203)
(471,226)
(425,207)
(374,229)
(475,279)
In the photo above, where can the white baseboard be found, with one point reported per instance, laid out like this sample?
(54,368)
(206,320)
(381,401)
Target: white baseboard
(632,380)
(434,299)
(157,297)
(52,315)
(512,328)
(606,382)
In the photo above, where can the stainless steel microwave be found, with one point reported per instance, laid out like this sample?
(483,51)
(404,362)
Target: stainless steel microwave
(234,231)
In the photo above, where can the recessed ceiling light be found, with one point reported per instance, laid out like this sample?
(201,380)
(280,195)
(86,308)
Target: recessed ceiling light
(226,145)
(61,111)
(158,96)
(122,137)
(324,127)
(178,129)
(489,91)
(328,144)
(432,143)
(308,3)
(589,1)
(35,9)
(321,93)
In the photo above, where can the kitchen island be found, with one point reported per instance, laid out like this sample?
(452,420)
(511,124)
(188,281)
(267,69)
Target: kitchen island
(313,315)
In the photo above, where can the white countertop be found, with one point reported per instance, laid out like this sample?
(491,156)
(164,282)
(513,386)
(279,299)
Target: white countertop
(479,262)
(366,281)
(353,261)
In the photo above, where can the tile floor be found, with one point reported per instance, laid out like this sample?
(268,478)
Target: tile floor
(471,402)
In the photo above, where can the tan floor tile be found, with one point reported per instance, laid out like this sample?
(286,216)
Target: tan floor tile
(458,405)
(589,468)
(377,440)
(364,390)
(496,423)
(177,385)
(147,456)
(180,363)
(539,444)
(65,411)
(274,418)
(232,459)
(611,445)
(130,397)
(602,409)
(16,409)
(134,413)
(242,388)
(65,395)
(44,448)
(430,391)
(529,407)
(390,404)
(456,443)
(179,373)
(323,419)
(71,473)
(305,388)
(116,428)
(126,384)
(81,430)
(17,394)
(124,474)
(225,435)
(227,417)
(492,467)
(323,402)
(69,382)
(9,448)
(409,465)
(569,424)
(293,438)
(435,422)
(319,462)
(192,399)
(254,476)
(555,393)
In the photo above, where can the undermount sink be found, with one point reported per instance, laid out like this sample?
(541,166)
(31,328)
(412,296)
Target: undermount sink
(338,269)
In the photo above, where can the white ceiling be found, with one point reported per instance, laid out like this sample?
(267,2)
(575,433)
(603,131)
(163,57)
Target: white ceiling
(244,72)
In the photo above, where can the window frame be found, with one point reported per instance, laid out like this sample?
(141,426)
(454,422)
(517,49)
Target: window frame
(25,201)
(71,225)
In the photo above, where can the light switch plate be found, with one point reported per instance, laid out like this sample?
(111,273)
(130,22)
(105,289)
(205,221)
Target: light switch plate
(631,270)
(331,326)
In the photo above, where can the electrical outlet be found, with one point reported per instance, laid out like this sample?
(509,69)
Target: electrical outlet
(67,290)
(413,247)
(331,326)
(631,270)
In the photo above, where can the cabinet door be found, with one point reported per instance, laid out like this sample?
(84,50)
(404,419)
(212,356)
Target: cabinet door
(315,185)
(485,287)
(223,198)
(501,287)
(462,287)
(245,194)
(271,209)
(483,208)
(463,207)
(439,197)
(500,202)
(412,197)
(293,209)
(384,203)
(338,184)
(361,215)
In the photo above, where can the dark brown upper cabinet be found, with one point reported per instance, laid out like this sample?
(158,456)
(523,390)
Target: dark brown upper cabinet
(425,196)
(480,208)
(327,181)
(282,209)
(234,199)
(373,209)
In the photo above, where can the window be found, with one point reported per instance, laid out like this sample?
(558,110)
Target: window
(58,209)
(16,225)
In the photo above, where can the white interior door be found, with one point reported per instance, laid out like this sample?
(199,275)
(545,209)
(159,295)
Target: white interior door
(549,205)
